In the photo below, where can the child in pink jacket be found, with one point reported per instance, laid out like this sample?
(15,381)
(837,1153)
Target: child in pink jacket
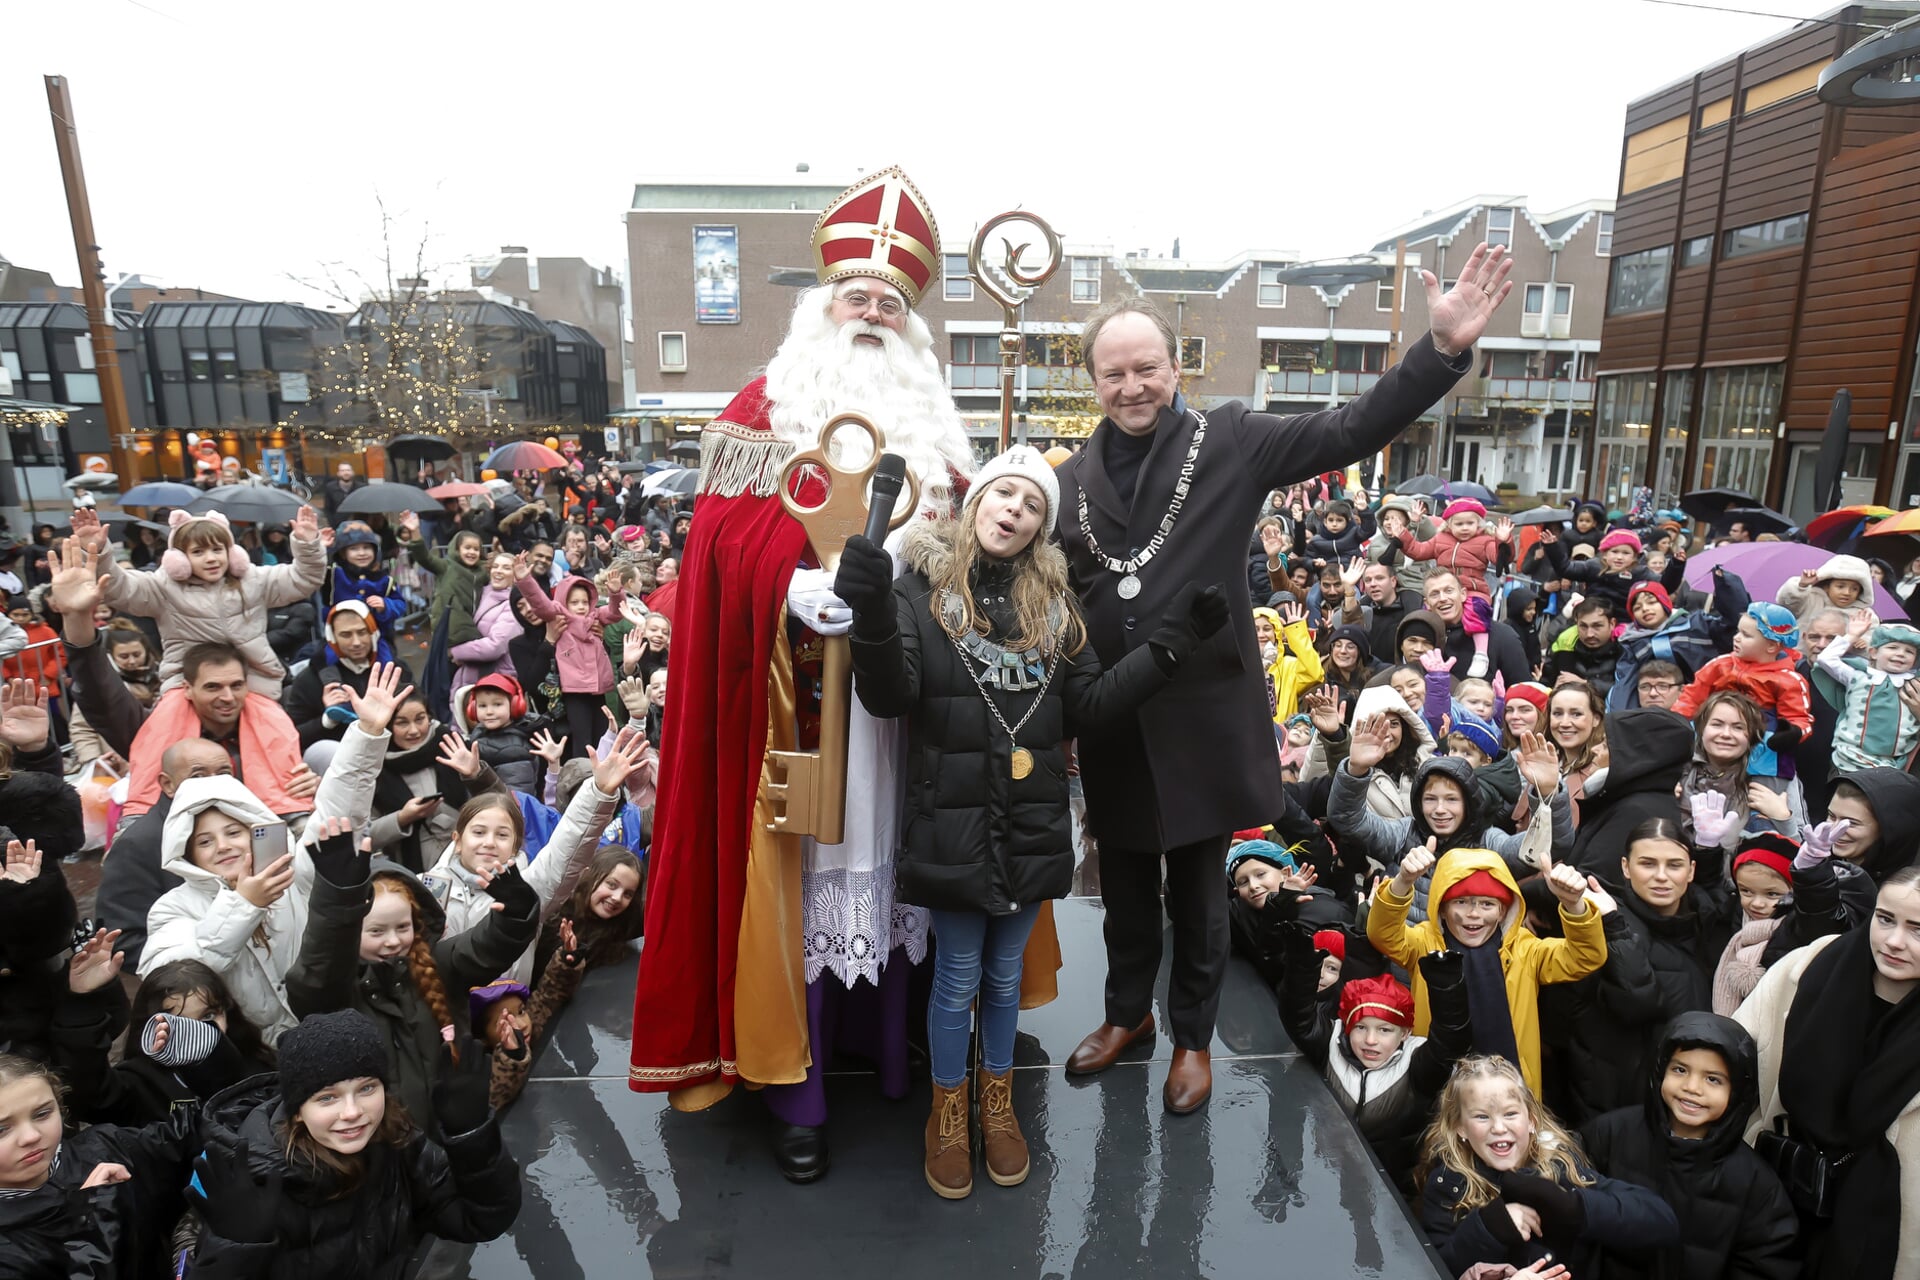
(586,673)
(1463,545)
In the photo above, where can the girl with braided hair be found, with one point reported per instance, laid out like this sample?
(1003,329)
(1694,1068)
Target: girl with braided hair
(376,941)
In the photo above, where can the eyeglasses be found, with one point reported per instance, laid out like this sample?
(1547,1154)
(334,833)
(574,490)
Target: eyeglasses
(891,308)
(1657,686)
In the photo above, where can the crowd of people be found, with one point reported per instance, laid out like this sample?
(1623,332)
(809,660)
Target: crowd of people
(344,894)
(1589,884)
(1596,895)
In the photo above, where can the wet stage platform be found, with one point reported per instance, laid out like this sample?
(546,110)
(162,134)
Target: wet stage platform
(1269,1179)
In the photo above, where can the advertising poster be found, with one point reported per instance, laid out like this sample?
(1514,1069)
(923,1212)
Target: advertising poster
(274,463)
(716,275)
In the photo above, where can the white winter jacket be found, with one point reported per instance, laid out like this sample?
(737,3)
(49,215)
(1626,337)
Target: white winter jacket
(206,919)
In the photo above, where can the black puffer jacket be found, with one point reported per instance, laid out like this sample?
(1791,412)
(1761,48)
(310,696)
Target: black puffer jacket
(976,837)
(1649,748)
(1658,967)
(1735,1220)
(1392,1103)
(330,975)
(120,1230)
(465,1189)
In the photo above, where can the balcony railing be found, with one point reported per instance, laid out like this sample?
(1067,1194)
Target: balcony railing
(1297,383)
(1038,378)
(1550,389)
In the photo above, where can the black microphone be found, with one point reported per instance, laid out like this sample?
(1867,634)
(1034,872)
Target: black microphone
(888,476)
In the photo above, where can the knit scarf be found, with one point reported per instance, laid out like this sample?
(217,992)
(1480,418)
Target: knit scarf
(391,792)
(1843,1085)
(1487,1009)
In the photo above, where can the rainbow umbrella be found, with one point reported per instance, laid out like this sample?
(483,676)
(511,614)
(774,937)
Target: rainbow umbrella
(1832,529)
(1904,522)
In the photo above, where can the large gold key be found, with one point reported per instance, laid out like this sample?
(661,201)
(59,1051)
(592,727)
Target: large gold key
(809,788)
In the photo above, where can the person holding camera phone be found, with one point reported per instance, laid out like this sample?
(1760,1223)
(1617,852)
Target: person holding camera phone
(238,909)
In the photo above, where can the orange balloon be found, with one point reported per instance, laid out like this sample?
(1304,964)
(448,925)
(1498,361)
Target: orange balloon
(489,474)
(553,442)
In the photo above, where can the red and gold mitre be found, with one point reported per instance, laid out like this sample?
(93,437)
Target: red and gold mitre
(879,227)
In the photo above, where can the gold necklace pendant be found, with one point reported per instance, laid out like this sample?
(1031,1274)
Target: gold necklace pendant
(1021,763)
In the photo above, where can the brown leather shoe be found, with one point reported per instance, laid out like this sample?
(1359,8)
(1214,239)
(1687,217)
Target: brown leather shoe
(1189,1081)
(1097,1051)
(949,1144)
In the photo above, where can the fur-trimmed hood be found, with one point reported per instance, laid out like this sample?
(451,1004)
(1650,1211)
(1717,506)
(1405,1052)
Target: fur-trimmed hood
(928,549)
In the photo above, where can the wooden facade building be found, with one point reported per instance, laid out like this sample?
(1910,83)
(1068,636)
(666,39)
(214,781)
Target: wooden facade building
(1766,253)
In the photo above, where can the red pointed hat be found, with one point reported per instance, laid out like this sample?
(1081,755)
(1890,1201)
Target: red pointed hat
(879,227)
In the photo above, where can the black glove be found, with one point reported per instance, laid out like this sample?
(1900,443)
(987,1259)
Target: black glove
(510,889)
(237,1200)
(1499,1224)
(1189,619)
(336,861)
(865,582)
(1785,738)
(1296,941)
(1563,1214)
(460,1094)
(1443,968)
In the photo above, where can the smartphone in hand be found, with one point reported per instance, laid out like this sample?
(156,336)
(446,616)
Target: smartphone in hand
(269,845)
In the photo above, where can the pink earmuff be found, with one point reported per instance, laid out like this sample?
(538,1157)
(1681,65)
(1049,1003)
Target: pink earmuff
(174,563)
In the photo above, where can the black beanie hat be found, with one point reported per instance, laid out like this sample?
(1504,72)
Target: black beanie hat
(327,1048)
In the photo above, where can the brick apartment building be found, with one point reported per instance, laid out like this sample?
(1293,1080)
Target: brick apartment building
(1766,254)
(1262,327)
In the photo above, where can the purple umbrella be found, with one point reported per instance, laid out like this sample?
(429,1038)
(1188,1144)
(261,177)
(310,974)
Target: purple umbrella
(1763,566)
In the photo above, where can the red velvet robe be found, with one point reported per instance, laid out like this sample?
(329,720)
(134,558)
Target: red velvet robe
(730,601)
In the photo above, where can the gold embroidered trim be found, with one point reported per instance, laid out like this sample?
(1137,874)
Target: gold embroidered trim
(692,1071)
(736,460)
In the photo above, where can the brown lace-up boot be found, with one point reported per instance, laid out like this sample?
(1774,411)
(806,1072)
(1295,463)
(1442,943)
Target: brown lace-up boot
(1006,1147)
(949,1145)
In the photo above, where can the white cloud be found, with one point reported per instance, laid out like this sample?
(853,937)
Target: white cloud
(230,144)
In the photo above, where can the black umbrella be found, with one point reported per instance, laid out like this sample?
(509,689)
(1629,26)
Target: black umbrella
(1758,519)
(1708,504)
(420,448)
(686,447)
(248,504)
(675,483)
(1833,453)
(1420,484)
(1543,515)
(387,498)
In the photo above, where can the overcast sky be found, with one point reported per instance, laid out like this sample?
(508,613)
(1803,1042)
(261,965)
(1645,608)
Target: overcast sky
(232,144)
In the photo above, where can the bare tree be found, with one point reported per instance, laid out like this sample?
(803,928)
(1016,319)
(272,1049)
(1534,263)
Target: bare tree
(410,361)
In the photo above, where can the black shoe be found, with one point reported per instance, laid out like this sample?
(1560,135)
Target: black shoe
(800,1151)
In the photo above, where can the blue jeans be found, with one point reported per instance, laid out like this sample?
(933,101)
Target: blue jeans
(975,954)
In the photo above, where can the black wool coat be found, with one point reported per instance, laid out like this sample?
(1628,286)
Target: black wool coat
(1657,968)
(976,838)
(1200,762)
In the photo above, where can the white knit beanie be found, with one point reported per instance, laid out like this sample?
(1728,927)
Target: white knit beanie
(1026,462)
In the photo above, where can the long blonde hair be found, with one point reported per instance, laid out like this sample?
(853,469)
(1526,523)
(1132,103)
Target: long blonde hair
(1552,1152)
(1045,611)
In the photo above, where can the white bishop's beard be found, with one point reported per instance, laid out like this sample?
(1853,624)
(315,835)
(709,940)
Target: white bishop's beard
(821,371)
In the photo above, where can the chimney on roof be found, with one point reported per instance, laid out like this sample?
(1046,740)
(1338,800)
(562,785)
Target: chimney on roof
(1176,248)
(803,167)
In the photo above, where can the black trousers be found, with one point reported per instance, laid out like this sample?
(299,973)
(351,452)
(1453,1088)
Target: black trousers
(587,720)
(1197,907)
